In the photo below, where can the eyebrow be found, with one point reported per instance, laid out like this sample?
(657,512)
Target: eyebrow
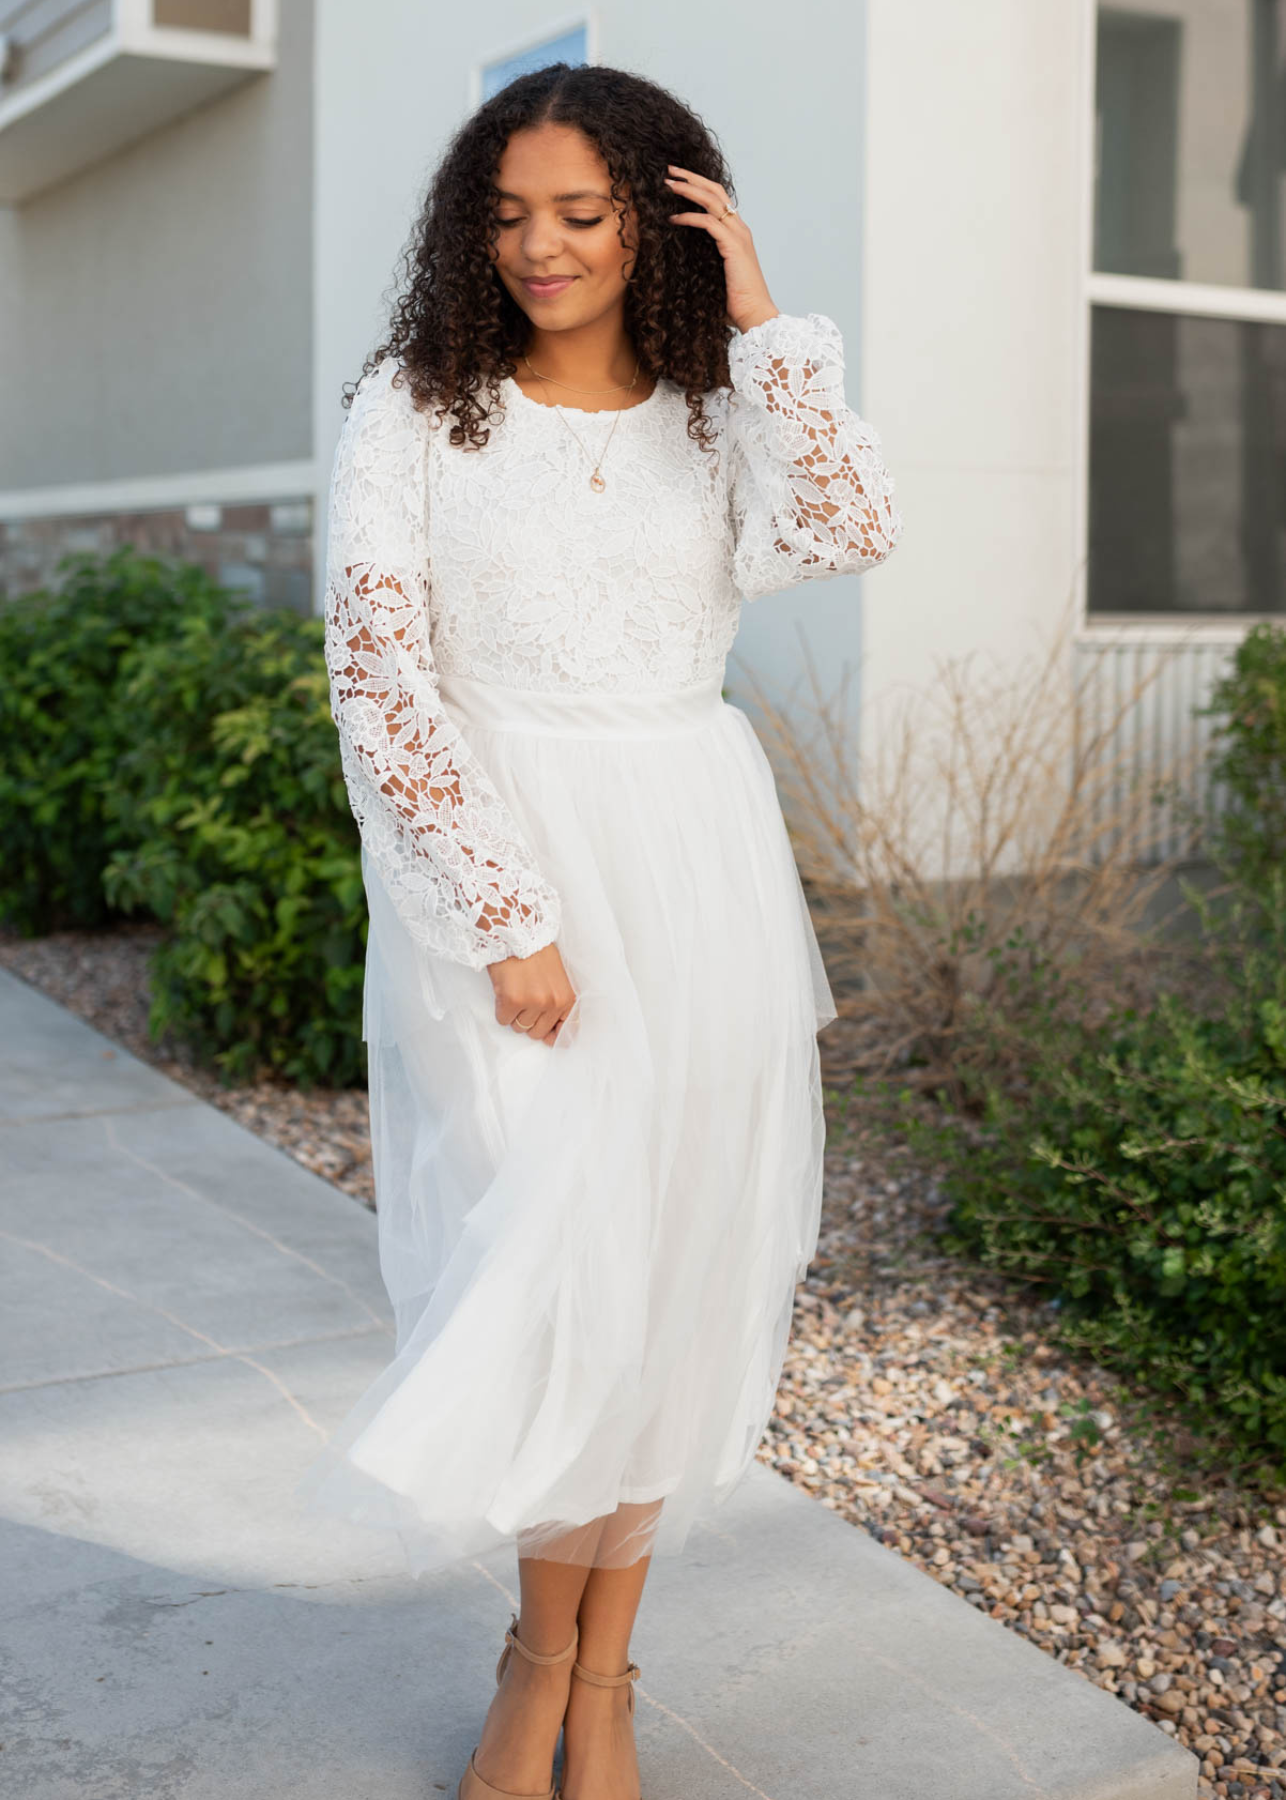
(580,194)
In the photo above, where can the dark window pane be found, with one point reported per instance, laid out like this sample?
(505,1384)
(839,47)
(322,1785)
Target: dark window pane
(204,15)
(1187,464)
(1191,165)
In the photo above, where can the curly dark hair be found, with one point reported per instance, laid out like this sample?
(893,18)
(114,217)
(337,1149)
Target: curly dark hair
(455,328)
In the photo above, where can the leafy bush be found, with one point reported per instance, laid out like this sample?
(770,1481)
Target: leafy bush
(233,828)
(168,746)
(1107,1136)
(1248,837)
(1139,1175)
(62,733)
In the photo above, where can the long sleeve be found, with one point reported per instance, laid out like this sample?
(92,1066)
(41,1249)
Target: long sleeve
(443,842)
(809,491)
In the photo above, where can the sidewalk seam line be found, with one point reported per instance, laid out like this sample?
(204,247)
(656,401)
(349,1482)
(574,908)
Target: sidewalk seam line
(194,1362)
(15,1121)
(246,1224)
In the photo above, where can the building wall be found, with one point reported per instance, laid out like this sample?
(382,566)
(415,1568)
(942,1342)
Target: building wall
(975,350)
(793,136)
(262,549)
(155,312)
(973,344)
(44,35)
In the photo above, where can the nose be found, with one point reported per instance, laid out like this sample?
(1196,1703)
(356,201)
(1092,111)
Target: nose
(542,237)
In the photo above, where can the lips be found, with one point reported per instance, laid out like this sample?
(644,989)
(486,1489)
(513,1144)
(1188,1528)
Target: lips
(544,289)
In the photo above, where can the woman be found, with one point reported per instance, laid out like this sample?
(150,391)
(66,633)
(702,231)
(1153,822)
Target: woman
(592,987)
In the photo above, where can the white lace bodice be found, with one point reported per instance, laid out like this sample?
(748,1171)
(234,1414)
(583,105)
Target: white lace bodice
(504,565)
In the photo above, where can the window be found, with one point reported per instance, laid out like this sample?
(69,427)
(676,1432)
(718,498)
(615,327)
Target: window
(570,46)
(1187,464)
(205,15)
(1187,501)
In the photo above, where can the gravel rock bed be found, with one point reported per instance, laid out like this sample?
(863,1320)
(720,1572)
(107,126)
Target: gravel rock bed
(925,1403)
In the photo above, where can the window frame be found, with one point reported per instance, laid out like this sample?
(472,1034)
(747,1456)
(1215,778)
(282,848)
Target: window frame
(1184,299)
(585,19)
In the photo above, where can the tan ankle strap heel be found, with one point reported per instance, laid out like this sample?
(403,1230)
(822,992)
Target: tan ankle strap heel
(514,1642)
(630,1674)
(471,1785)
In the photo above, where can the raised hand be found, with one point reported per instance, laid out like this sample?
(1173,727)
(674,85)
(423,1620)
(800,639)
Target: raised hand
(749,302)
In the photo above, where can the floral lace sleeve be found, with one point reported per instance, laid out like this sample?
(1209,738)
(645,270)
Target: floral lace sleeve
(442,840)
(809,490)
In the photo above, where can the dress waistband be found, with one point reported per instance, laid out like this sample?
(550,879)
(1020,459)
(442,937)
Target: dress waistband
(597,714)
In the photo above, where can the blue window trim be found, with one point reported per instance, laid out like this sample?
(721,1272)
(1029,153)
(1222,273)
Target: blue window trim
(570,43)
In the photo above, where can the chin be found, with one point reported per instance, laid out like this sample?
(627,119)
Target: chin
(567,310)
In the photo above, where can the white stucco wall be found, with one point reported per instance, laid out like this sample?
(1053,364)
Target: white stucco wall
(393,80)
(977,200)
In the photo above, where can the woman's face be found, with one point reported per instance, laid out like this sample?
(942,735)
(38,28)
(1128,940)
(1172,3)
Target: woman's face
(558,250)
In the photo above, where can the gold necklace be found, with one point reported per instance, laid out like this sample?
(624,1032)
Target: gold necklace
(621,388)
(595,480)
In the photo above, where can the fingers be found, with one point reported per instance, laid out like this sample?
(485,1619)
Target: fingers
(527,1015)
(548,1026)
(535,1018)
(534,994)
(551,1037)
(708,194)
(703,218)
(536,1025)
(700,186)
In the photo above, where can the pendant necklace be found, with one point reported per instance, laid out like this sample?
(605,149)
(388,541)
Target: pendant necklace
(595,480)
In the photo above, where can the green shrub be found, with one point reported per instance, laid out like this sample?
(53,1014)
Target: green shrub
(233,828)
(167,746)
(1129,1162)
(1139,1176)
(62,733)
(1249,703)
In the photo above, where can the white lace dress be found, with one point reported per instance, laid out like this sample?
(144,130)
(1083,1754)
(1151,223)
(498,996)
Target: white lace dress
(591,1246)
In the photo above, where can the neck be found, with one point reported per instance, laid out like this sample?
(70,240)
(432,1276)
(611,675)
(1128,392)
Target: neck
(596,355)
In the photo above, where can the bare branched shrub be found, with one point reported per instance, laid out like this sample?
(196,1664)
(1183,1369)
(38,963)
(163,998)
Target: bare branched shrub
(997,847)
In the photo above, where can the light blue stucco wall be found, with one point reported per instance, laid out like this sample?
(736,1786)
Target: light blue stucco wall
(786,99)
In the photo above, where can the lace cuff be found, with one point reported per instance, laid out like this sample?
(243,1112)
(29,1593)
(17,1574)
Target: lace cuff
(810,493)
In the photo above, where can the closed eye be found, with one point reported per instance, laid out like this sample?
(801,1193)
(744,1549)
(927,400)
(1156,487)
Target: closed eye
(576,224)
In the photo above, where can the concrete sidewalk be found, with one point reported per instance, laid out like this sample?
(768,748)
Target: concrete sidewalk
(187,1311)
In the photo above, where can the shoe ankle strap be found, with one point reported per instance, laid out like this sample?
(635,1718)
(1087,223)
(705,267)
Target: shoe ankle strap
(607,1681)
(512,1638)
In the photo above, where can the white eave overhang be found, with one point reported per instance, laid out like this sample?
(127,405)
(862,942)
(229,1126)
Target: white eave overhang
(133,79)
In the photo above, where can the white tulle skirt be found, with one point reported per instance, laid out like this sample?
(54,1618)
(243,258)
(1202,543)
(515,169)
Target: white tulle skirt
(592,1246)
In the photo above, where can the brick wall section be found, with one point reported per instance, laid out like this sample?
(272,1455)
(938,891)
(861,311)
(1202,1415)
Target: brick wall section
(265,550)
